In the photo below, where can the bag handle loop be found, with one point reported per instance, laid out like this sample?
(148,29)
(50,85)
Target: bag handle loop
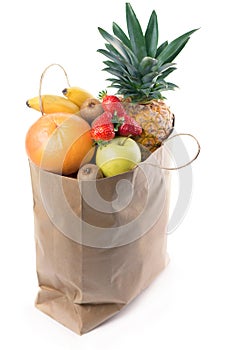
(186,164)
(41,80)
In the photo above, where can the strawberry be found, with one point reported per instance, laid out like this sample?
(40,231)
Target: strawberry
(111,103)
(103,133)
(103,128)
(103,119)
(129,127)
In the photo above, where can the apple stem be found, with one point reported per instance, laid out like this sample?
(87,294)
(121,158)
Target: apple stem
(124,140)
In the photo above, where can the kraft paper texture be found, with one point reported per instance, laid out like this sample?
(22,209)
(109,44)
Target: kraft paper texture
(98,243)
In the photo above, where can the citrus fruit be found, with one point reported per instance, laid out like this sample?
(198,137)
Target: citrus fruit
(59,142)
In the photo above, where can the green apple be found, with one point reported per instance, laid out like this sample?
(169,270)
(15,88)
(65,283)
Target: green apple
(121,154)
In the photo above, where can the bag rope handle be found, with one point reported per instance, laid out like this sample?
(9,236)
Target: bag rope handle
(41,80)
(184,165)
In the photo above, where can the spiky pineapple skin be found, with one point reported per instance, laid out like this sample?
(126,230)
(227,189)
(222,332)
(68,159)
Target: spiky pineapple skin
(156,120)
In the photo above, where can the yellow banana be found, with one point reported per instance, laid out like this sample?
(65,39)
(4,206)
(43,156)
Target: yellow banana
(76,95)
(53,104)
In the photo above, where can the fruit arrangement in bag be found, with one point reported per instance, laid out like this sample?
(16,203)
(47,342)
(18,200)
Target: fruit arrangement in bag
(112,132)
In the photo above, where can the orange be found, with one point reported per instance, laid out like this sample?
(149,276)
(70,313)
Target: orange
(60,143)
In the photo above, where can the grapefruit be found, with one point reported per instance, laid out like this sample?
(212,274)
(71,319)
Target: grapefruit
(60,143)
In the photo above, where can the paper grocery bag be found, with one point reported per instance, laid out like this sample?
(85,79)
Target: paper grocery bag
(98,243)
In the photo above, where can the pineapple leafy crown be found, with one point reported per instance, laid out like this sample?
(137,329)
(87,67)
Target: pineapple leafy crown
(138,64)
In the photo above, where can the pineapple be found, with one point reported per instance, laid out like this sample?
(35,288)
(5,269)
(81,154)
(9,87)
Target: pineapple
(139,68)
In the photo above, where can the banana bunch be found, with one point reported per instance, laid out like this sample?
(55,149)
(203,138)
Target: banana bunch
(76,95)
(53,103)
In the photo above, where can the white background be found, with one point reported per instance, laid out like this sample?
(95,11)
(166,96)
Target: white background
(190,306)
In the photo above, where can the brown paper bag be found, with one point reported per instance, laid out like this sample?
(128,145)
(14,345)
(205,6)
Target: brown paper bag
(98,243)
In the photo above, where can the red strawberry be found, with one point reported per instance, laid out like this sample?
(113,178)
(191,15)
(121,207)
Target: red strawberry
(103,128)
(103,133)
(111,103)
(129,127)
(103,119)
